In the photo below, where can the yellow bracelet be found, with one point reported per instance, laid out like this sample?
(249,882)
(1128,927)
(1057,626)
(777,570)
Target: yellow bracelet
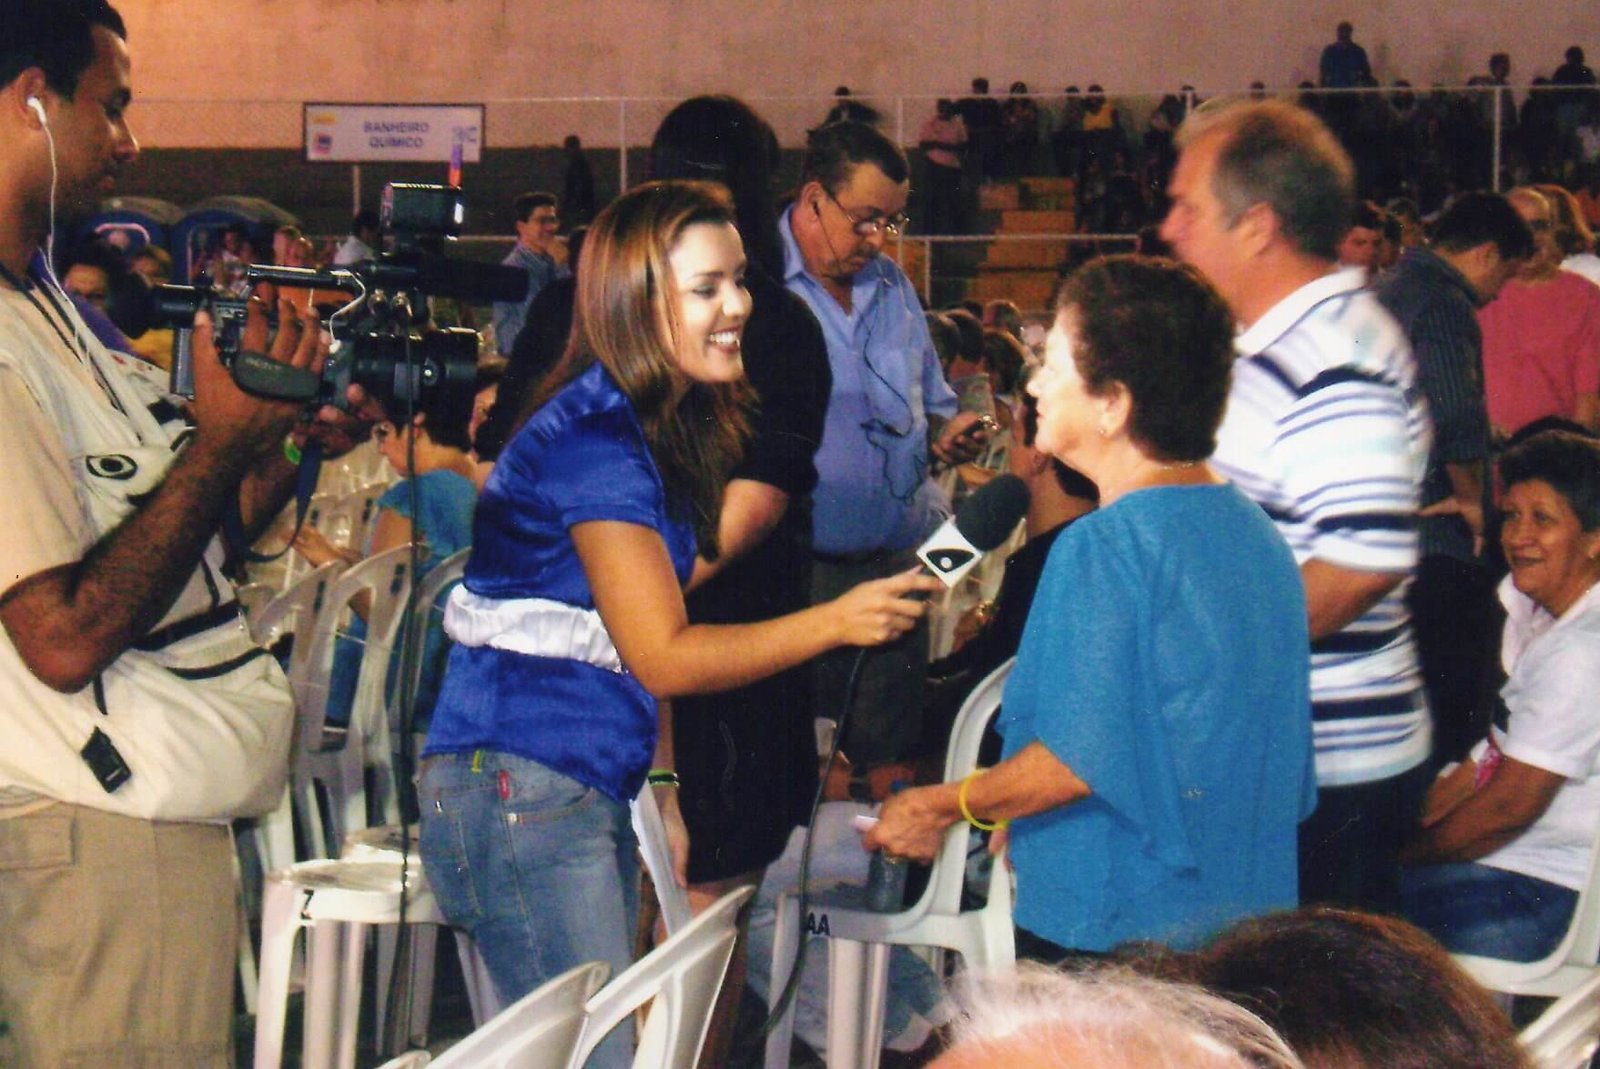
(961,800)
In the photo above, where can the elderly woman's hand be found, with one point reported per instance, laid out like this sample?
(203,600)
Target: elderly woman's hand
(911,824)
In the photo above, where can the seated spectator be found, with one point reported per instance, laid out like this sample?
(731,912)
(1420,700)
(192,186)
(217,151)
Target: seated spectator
(1353,990)
(1541,336)
(95,277)
(1038,1018)
(943,141)
(153,264)
(847,108)
(1573,236)
(431,504)
(946,340)
(1507,835)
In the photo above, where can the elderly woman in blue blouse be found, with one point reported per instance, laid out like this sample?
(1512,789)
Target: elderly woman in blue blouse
(570,621)
(1507,835)
(1157,754)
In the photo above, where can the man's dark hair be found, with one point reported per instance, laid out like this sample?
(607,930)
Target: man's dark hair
(1479,217)
(1159,330)
(524,205)
(980,85)
(946,337)
(1283,156)
(57,36)
(1367,216)
(1569,463)
(1574,54)
(365,219)
(835,150)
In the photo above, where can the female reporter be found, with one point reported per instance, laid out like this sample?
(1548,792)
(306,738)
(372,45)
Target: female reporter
(1157,724)
(570,622)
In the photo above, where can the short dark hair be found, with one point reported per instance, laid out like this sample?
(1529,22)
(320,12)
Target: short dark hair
(1160,329)
(365,219)
(525,204)
(1005,356)
(1477,218)
(946,337)
(1281,155)
(1368,216)
(57,36)
(833,152)
(1356,991)
(971,328)
(1569,462)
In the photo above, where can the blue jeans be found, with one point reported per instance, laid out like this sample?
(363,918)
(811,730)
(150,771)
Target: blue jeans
(1475,909)
(538,868)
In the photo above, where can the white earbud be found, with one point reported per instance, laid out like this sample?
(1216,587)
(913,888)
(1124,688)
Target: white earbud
(37,107)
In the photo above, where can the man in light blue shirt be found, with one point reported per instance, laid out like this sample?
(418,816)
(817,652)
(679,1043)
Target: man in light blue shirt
(539,253)
(890,408)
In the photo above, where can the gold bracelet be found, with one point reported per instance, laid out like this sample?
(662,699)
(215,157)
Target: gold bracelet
(961,800)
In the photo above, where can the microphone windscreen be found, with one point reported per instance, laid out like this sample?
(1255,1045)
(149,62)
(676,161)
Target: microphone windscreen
(988,517)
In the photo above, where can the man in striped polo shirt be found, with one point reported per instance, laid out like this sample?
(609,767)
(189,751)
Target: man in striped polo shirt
(1327,431)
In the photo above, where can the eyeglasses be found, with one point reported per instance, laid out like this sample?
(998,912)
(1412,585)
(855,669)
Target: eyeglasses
(872,225)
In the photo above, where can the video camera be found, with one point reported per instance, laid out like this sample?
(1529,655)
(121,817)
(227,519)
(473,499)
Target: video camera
(377,340)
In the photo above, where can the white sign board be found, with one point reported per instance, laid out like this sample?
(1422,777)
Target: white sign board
(370,133)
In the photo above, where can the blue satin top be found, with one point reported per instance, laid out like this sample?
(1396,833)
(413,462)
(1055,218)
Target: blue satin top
(581,457)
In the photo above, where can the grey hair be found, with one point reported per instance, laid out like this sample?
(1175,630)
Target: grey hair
(1116,1017)
(1283,156)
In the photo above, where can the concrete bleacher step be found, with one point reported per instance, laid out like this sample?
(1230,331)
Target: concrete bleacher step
(1031,290)
(1036,222)
(1025,255)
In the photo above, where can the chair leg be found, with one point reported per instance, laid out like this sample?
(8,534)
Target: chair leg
(847,1011)
(785,938)
(322,992)
(280,923)
(873,1002)
(349,1021)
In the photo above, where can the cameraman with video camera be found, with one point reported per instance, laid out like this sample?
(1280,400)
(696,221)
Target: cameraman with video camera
(138,717)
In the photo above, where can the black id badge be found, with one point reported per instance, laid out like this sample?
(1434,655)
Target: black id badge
(105,762)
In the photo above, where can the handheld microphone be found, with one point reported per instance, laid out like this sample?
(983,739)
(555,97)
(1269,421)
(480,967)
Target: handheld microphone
(983,522)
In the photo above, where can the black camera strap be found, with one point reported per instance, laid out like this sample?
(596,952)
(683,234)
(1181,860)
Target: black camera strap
(305,484)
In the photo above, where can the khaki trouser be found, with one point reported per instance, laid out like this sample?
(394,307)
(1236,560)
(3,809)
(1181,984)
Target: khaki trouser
(117,942)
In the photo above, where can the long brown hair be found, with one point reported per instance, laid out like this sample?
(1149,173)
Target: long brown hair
(625,316)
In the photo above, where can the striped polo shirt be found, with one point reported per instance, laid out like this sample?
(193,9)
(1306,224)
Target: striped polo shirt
(1327,430)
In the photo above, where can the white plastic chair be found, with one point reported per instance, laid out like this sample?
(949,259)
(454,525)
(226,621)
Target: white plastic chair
(681,979)
(1568,966)
(538,1031)
(411,1059)
(334,901)
(1566,1035)
(859,939)
(340,768)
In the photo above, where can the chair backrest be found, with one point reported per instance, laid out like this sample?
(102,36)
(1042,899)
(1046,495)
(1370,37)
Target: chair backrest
(385,577)
(1565,1035)
(294,612)
(411,1059)
(948,874)
(683,976)
(538,1031)
(652,835)
(420,617)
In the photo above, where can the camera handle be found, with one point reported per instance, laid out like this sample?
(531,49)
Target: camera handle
(261,375)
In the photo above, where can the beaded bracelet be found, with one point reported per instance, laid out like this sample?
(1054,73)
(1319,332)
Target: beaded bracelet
(961,800)
(663,777)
